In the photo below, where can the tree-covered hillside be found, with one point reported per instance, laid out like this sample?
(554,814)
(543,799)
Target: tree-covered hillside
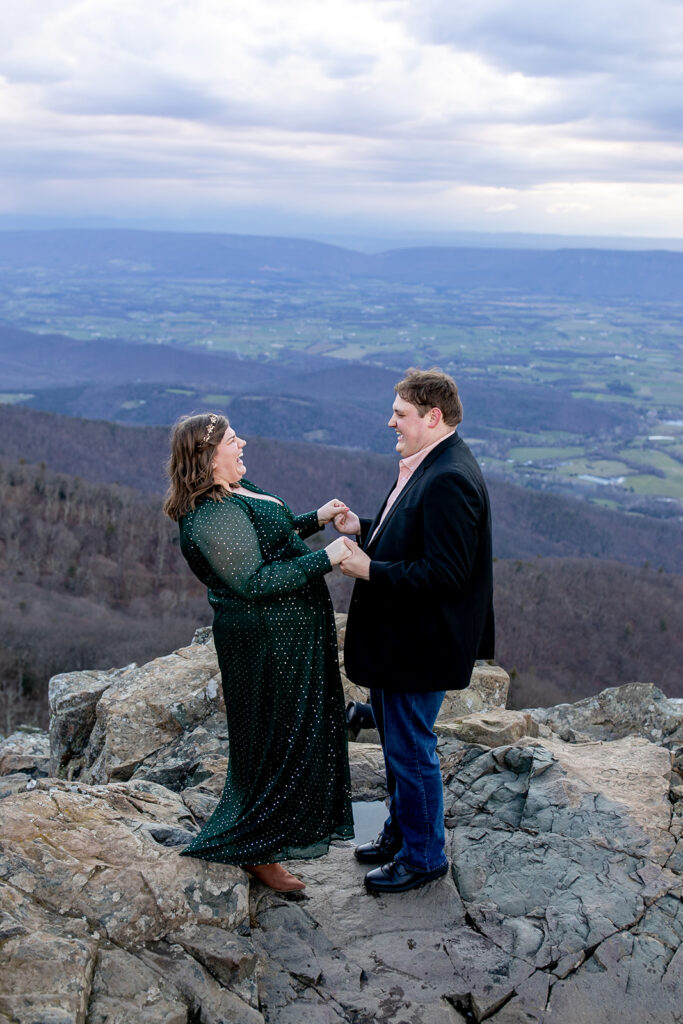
(526,523)
(91,577)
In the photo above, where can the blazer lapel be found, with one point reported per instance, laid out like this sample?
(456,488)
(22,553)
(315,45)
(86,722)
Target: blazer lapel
(433,455)
(377,518)
(380,530)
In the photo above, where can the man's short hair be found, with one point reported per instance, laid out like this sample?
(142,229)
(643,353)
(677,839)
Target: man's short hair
(431,389)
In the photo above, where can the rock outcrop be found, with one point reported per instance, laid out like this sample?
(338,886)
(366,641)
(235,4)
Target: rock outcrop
(563,905)
(637,709)
(102,918)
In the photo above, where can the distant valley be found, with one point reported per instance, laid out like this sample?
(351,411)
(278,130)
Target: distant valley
(569,361)
(569,365)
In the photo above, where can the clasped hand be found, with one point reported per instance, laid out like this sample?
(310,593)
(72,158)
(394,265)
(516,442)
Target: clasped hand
(344,552)
(350,558)
(345,521)
(332,510)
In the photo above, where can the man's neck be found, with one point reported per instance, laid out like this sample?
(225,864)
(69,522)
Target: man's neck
(435,440)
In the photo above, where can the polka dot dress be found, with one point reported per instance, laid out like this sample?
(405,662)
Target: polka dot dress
(287,791)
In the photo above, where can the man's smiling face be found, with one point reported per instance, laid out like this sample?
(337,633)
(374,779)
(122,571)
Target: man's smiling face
(413,430)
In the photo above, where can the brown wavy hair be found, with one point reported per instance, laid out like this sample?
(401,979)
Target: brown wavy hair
(189,467)
(431,389)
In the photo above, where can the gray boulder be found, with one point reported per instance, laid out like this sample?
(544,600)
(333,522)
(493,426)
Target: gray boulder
(635,709)
(26,751)
(73,698)
(488,690)
(552,867)
(163,720)
(103,725)
(490,728)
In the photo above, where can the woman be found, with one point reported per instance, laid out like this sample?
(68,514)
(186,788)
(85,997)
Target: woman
(287,792)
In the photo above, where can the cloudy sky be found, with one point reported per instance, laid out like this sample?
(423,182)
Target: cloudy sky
(347,115)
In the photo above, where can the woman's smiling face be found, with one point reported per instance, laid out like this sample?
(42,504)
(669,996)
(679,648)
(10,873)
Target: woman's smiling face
(227,464)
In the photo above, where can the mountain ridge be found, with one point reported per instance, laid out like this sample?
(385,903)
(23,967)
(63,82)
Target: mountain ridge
(588,273)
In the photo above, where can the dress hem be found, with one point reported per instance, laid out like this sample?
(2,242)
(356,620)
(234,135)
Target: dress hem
(310,852)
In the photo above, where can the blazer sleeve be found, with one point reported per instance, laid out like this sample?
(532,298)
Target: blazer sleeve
(365,525)
(453,512)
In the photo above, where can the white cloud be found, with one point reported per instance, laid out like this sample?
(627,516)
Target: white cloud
(568,207)
(397,109)
(551,37)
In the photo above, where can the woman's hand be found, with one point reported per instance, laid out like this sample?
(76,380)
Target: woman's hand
(333,508)
(347,522)
(337,551)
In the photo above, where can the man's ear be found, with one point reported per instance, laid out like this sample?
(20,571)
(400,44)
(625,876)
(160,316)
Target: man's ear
(435,416)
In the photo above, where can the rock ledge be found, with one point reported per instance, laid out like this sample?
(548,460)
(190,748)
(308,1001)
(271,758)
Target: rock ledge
(563,905)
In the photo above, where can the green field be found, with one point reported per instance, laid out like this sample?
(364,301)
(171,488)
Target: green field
(625,472)
(616,353)
(13,397)
(544,454)
(600,467)
(616,356)
(655,486)
(660,460)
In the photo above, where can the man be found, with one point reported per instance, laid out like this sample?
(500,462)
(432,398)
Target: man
(420,615)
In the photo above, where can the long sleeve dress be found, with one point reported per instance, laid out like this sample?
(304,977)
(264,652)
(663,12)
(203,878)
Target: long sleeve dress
(287,791)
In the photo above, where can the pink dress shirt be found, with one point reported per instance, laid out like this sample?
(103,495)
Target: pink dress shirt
(406,469)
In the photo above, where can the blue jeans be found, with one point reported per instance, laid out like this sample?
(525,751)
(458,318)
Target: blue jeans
(405,722)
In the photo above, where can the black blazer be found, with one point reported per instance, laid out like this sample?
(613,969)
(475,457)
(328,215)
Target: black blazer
(426,613)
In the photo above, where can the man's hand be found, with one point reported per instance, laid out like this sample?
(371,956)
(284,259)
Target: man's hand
(337,550)
(347,522)
(357,563)
(330,510)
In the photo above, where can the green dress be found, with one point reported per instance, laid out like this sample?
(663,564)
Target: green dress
(287,791)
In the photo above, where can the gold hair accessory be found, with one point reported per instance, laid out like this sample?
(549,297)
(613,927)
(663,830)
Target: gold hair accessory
(213,420)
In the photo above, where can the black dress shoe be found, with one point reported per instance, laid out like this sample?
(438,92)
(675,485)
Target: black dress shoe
(359,716)
(378,852)
(394,877)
